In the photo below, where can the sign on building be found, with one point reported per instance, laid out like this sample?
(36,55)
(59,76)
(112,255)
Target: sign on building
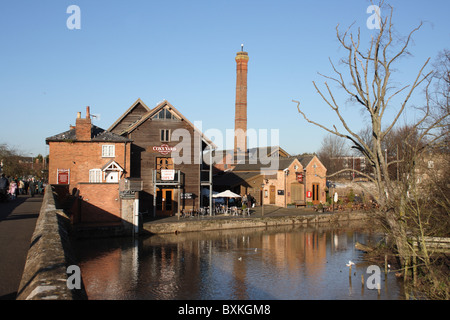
(63,176)
(164,149)
(167,175)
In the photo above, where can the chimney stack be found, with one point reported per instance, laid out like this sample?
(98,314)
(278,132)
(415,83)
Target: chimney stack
(240,120)
(83,126)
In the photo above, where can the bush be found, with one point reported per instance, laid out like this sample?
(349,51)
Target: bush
(351,196)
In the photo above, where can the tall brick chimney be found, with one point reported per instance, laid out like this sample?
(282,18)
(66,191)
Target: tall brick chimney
(83,126)
(240,120)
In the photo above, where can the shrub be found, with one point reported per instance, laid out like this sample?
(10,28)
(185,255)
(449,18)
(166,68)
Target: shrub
(351,196)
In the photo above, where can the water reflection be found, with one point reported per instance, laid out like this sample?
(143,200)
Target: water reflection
(274,263)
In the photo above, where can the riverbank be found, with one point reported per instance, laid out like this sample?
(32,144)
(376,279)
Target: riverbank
(272,216)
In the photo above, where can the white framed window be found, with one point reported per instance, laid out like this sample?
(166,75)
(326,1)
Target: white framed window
(95,175)
(108,151)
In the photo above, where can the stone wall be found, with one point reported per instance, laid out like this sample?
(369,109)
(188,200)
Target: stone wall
(45,274)
(253,222)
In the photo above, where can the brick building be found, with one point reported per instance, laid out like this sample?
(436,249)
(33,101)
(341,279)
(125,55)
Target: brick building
(295,180)
(89,162)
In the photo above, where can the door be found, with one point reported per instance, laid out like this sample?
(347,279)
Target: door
(112,176)
(272,195)
(297,193)
(315,193)
(164,202)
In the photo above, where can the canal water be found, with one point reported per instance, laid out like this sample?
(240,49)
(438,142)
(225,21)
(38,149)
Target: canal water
(276,263)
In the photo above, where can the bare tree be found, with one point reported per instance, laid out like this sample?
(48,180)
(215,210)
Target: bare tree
(331,152)
(368,83)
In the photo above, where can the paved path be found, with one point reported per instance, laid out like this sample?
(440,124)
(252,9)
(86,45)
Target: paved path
(17,223)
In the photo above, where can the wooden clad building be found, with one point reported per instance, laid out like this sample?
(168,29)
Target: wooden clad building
(167,155)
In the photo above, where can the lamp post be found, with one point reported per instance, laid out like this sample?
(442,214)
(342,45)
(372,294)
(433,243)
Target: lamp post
(262,199)
(286,173)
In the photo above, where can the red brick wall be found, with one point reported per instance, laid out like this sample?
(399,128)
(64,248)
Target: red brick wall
(99,202)
(80,157)
(316,175)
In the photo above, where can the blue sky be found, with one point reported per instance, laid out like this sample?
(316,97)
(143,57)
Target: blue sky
(183,51)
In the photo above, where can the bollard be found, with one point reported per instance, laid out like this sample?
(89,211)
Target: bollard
(385,264)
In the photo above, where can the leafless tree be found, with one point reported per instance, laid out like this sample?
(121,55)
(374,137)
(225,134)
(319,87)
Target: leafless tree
(332,150)
(368,83)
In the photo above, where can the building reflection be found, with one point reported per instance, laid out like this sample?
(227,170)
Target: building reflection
(232,264)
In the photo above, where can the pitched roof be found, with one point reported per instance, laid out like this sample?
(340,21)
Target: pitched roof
(283,163)
(97,134)
(177,113)
(112,164)
(305,159)
(232,179)
(130,109)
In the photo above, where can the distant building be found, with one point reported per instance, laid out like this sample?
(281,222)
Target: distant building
(295,180)
(350,162)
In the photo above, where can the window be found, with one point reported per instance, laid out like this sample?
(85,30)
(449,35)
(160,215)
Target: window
(164,163)
(165,135)
(95,175)
(164,114)
(108,151)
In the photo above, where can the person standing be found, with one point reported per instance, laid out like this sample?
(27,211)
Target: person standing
(21,186)
(39,185)
(4,187)
(13,189)
(32,186)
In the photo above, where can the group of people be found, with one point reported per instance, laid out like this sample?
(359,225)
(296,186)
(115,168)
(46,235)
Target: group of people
(248,200)
(10,188)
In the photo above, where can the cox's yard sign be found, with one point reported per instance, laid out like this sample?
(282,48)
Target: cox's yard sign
(164,149)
